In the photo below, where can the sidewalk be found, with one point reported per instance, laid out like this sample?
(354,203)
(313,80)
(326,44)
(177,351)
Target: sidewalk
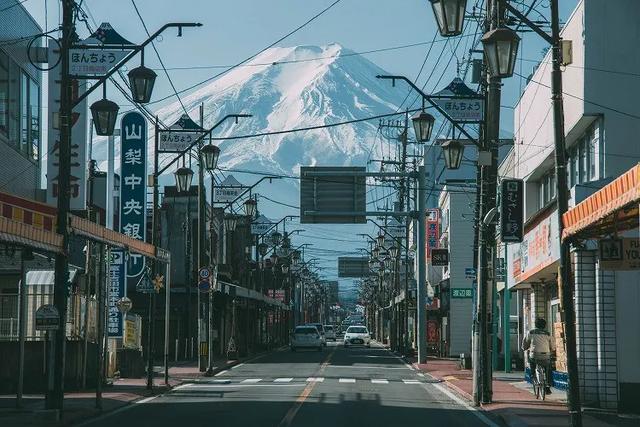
(513,400)
(79,406)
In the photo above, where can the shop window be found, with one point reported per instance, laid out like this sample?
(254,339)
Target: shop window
(34,119)
(585,158)
(547,188)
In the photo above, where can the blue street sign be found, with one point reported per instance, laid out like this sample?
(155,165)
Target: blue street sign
(117,277)
(133,174)
(204,286)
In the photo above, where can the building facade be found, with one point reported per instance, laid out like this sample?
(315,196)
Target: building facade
(600,87)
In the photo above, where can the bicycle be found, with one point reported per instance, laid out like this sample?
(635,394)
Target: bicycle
(539,381)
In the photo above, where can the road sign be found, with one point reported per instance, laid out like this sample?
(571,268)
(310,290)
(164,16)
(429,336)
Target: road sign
(470,273)
(439,257)
(326,192)
(204,286)
(94,62)
(261,225)
(47,318)
(512,210)
(353,267)
(124,304)
(228,190)
(461,293)
(204,273)
(460,102)
(145,285)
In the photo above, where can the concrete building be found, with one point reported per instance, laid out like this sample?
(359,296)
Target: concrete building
(601,125)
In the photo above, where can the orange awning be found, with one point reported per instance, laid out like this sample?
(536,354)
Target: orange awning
(611,209)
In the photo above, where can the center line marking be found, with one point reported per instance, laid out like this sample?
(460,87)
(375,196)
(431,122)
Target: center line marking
(283,380)
(251,380)
(379,381)
(347,380)
(291,413)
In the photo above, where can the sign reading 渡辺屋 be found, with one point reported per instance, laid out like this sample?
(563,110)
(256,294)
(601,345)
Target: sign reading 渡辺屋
(228,190)
(117,275)
(90,62)
(133,196)
(619,254)
(78,157)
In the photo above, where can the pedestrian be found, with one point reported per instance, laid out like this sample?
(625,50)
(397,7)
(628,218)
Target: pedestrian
(540,345)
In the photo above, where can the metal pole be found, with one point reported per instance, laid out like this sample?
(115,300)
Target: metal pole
(22,328)
(506,327)
(150,342)
(55,395)
(100,324)
(203,305)
(564,266)
(105,331)
(422,265)
(167,314)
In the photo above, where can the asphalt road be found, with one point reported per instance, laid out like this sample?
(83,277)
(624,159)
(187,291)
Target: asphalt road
(335,388)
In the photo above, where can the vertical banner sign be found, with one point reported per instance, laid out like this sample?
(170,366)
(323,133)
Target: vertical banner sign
(511,210)
(133,195)
(433,231)
(117,275)
(78,175)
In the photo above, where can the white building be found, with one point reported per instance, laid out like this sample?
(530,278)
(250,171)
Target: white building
(602,126)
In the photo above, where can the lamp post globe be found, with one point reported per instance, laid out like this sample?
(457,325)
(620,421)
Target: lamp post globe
(380,239)
(230,223)
(450,16)
(393,251)
(274,258)
(453,151)
(104,114)
(210,154)
(142,80)
(388,262)
(276,237)
(183,176)
(250,207)
(501,50)
(285,268)
(263,248)
(376,252)
(423,125)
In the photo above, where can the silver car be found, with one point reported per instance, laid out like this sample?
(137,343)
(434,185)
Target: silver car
(306,337)
(329,333)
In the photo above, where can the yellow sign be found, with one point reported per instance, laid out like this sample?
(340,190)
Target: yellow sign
(130,339)
(620,254)
(158,282)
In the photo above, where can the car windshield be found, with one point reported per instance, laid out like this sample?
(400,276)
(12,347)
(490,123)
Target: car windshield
(328,328)
(319,327)
(306,330)
(356,330)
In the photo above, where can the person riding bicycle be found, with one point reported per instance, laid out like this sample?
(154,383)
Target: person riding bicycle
(540,345)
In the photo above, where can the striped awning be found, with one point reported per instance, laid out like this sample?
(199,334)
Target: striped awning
(611,209)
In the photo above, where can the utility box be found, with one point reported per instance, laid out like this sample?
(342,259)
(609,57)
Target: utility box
(566,52)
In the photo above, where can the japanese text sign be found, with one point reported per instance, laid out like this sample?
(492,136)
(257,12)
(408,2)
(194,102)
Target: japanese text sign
(511,210)
(463,110)
(133,197)
(433,230)
(461,293)
(176,141)
(94,62)
(116,291)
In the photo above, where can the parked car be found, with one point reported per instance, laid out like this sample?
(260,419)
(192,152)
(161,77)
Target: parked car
(306,337)
(320,330)
(329,332)
(357,335)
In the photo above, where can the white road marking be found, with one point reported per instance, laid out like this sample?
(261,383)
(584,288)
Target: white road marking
(364,367)
(181,386)
(475,411)
(379,381)
(283,380)
(411,381)
(146,399)
(315,379)
(420,374)
(347,380)
(251,380)
(238,385)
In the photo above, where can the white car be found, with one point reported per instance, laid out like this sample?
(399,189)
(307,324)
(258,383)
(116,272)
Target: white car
(357,335)
(329,333)
(306,337)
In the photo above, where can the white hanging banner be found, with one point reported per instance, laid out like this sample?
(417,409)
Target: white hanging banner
(228,190)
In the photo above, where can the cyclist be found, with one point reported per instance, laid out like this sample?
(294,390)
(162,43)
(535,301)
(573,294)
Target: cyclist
(540,345)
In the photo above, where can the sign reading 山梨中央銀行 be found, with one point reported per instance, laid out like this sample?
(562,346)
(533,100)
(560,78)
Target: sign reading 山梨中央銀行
(133,172)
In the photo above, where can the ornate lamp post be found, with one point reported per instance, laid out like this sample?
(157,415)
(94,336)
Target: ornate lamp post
(450,16)
(453,151)
(423,125)
(501,50)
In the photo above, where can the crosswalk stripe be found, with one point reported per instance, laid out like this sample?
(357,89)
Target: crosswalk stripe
(315,379)
(347,380)
(251,380)
(379,381)
(411,381)
(283,380)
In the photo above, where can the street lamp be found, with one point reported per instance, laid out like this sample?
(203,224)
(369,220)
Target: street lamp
(184,176)
(423,125)
(104,114)
(452,150)
(250,207)
(230,223)
(376,252)
(388,262)
(500,50)
(262,249)
(274,259)
(276,237)
(393,251)
(450,16)
(141,80)
(210,155)
(380,240)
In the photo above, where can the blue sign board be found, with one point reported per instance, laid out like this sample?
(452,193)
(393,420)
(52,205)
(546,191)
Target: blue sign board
(133,174)
(116,291)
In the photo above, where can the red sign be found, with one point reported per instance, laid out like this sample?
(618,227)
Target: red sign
(279,294)
(433,231)
(433,331)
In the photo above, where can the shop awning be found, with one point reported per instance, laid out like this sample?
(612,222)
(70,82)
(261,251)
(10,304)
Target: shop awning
(611,209)
(239,291)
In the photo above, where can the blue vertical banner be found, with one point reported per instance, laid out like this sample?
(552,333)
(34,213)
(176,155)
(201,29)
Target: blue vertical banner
(133,181)
(117,277)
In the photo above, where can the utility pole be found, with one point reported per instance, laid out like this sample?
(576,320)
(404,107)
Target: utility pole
(55,394)
(564,266)
(203,301)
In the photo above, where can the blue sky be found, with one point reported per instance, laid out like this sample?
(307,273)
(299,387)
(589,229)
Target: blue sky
(234,30)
